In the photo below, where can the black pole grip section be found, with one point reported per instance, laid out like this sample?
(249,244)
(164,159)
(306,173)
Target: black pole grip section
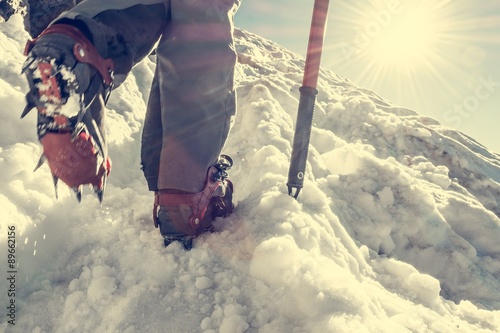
(296,173)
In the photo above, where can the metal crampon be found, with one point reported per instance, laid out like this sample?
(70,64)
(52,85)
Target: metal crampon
(71,140)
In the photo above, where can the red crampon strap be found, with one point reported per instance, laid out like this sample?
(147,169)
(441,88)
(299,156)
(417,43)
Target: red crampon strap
(84,51)
(197,201)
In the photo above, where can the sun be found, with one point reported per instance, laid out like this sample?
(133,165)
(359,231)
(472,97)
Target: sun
(400,48)
(393,35)
(407,41)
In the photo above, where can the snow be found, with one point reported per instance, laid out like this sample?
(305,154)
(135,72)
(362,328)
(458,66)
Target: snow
(396,230)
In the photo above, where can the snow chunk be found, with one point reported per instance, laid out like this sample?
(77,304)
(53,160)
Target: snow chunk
(386,196)
(203,282)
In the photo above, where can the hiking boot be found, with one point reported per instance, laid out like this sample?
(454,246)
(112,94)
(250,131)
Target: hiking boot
(65,74)
(183,216)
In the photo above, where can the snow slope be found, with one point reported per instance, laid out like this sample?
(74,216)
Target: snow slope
(396,230)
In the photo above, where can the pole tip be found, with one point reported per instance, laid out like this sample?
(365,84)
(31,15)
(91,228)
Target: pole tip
(291,190)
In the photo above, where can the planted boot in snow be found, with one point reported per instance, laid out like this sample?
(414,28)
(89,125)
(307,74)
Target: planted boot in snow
(183,216)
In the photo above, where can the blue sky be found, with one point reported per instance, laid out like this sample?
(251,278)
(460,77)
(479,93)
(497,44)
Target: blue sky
(439,58)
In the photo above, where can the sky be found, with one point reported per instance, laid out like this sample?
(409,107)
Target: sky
(439,58)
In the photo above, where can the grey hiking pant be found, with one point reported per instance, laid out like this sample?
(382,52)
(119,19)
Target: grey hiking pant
(192,97)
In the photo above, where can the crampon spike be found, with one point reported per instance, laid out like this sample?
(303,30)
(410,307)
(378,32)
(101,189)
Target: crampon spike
(31,103)
(56,181)
(27,64)
(79,127)
(99,190)
(27,109)
(100,195)
(78,191)
(42,160)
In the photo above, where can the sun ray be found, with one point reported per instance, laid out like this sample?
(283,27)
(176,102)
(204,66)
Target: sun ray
(418,46)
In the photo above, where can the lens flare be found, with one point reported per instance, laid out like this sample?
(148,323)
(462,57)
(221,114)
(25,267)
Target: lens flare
(421,52)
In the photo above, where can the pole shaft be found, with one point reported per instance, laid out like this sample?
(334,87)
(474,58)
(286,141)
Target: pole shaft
(315,46)
(308,92)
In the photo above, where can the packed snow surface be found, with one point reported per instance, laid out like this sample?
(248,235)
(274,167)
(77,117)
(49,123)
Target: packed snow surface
(396,230)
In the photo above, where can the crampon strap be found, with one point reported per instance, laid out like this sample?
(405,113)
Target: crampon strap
(84,51)
(197,201)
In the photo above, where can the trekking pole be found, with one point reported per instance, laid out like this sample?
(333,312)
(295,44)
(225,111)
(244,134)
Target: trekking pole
(308,92)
